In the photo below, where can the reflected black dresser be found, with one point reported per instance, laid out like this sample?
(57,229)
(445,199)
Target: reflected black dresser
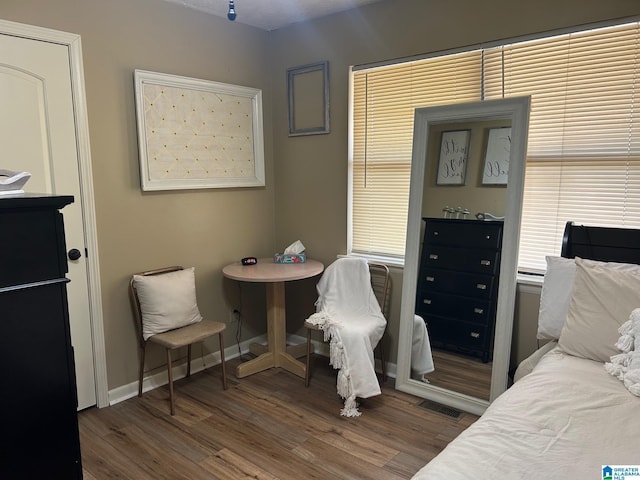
(458,283)
(38,405)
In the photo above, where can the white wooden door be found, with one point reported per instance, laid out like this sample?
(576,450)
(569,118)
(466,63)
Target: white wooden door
(38,135)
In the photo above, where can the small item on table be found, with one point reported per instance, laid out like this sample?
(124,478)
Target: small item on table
(294,253)
(249,261)
(461,211)
(488,217)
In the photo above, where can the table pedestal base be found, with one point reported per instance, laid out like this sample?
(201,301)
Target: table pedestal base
(276,354)
(269,359)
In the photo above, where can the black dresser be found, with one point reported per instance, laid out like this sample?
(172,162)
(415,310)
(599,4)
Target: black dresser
(38,404)
(458,284)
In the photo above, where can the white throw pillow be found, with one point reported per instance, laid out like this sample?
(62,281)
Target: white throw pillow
(556,293)
(167,301)
(603,296)
(555,297)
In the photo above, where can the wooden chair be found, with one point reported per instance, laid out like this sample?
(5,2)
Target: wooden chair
(174,339)
(381,284)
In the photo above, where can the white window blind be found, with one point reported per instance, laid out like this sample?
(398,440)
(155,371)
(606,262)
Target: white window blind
(583,161)
(383,105)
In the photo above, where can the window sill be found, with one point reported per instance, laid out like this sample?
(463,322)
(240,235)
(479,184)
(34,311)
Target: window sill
(531,280)
(392,262)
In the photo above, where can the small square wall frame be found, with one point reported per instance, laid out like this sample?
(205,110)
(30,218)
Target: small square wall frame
(308,94)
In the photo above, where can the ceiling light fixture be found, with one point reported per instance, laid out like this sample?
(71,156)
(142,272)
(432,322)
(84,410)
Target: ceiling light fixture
(231,14)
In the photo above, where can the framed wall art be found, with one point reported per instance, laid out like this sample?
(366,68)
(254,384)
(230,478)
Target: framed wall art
(308,95)
(496,159)
(453,158)
(197,133)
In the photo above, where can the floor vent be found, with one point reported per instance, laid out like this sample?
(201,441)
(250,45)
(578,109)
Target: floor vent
(441,409)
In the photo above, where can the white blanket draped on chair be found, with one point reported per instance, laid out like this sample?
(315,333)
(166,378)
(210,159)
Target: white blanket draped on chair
(421,357)
(351,319)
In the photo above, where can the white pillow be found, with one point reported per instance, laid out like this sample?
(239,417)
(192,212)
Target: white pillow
(167,301)
(555,296)
(602,299)
(556,293)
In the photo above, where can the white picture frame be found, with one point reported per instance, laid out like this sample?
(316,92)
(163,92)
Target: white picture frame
(453,157)
(195,134)
(496,159)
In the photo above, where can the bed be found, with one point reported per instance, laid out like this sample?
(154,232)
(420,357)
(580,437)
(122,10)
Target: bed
(574,410)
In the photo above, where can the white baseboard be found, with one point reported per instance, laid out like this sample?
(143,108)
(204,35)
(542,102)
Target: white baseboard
(198,364)
(159,379)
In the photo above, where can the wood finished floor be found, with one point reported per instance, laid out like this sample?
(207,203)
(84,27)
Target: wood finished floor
(265,426)
(461,373)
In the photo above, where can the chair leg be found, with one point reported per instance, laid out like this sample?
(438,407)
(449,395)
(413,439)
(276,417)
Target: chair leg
(170,372)
(141,370)
(307,371)
(222,364)
(383,363)
(189,360)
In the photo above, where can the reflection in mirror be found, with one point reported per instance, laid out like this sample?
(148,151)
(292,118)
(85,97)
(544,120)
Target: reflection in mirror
(460,262)
(451,290)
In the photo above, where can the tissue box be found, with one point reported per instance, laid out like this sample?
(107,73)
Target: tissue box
(289,258)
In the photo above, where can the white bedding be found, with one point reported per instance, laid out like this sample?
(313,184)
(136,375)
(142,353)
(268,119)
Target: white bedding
(564,420)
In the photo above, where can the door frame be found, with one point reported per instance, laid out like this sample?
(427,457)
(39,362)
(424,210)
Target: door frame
(73,43)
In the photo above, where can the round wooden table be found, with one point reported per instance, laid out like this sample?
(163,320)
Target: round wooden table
(274,275)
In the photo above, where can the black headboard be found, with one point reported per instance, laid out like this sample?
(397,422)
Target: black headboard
(607,244)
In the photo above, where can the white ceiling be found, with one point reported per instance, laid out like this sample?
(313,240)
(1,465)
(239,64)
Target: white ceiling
(272,14)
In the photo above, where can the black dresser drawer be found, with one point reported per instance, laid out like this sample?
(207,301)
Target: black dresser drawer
(463,233)
(458,283)
(452,282)
(33,247)
(460,259)
(446,332)
(455,307)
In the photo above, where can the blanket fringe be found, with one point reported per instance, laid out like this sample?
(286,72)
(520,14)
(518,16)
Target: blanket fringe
(344,385)
(350,407)
(337,359)
(336,353)
(626,365)
(625,343)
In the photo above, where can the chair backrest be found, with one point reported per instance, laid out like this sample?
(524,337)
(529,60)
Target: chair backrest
(381,284)
(135,303)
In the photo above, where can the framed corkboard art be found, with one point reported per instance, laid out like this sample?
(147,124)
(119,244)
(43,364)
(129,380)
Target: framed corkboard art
(197,133)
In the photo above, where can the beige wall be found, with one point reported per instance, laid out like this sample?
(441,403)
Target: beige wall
(525,324)
(306,193)
(311,172)
(136,230)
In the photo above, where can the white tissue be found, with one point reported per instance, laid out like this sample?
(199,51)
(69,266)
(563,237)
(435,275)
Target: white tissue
(295,247)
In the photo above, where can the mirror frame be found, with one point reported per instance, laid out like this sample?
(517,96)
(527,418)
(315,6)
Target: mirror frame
(515,109)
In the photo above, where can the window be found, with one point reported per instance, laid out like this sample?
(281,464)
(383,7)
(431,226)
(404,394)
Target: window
(383,102)
(583,161)
(583,156)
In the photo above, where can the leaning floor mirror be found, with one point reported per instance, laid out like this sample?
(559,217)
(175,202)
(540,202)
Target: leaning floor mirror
(459,282)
